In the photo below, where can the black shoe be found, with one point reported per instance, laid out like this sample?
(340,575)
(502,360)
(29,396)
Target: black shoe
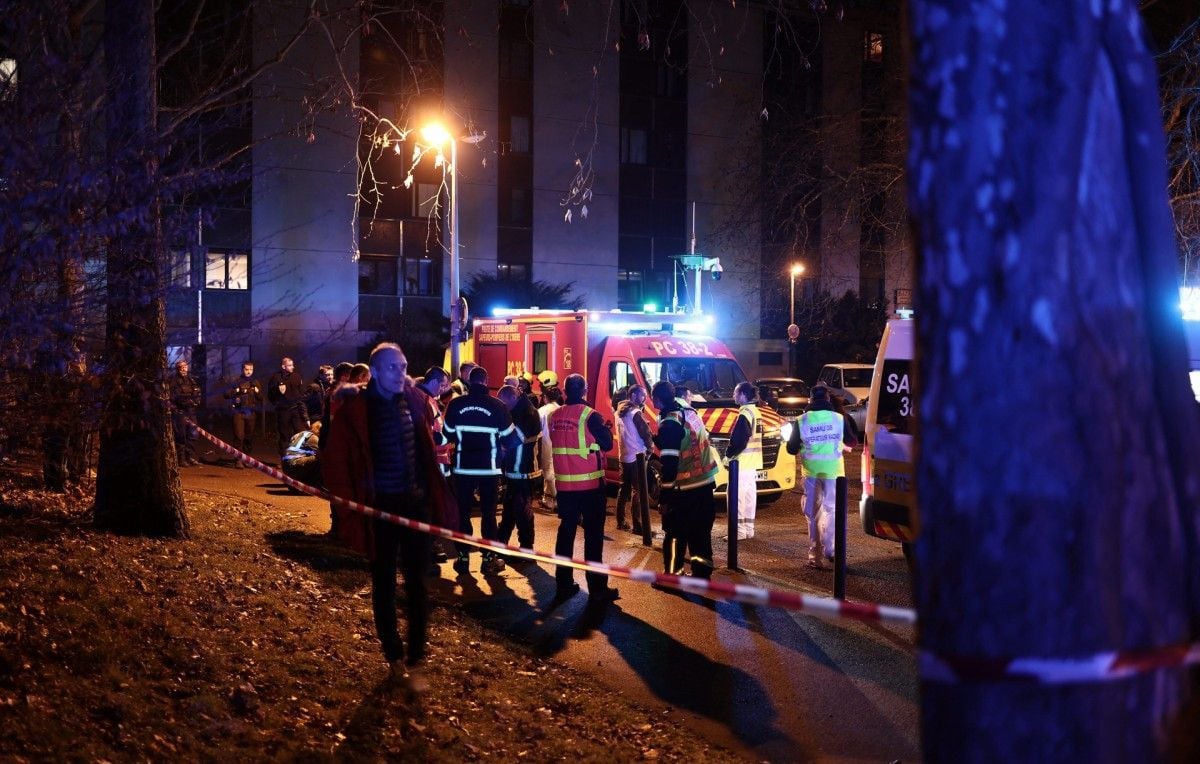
(462,564)
(604,596)
(564,593)
(623,526)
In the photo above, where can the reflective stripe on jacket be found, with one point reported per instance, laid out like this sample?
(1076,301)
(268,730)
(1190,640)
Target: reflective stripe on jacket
(821,434)
(575,452)
(751,457)
(697,462)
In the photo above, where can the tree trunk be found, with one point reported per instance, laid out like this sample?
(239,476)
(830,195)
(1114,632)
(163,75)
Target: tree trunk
(137,483)
(1059,440)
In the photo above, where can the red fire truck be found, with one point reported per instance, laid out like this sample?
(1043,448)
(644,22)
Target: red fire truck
(614,349)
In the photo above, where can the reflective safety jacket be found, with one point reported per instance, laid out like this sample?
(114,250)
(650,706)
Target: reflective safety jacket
(749,456)
(697,460)
(521,459)
(821,436)
(575,451)
(476,423)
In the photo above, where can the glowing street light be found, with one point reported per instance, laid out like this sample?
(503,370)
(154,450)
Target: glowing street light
(797,269)
(437,135)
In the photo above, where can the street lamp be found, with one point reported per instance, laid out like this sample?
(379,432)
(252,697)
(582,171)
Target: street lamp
(437,135)
(793,331)
(797,269)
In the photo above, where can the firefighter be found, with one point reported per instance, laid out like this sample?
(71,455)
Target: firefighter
(745,447)
(521,467)
(477,424)
(689,471)
(579,438)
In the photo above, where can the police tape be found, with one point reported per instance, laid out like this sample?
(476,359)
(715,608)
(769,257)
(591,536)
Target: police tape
(1098,667)
(825,606)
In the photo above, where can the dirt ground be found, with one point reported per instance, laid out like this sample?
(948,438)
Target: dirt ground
(252,641)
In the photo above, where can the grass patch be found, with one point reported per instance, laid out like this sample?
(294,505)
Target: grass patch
(250,640)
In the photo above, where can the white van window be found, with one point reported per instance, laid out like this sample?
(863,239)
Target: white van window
(897,410)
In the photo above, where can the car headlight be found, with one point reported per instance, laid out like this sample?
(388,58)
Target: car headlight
(785,432)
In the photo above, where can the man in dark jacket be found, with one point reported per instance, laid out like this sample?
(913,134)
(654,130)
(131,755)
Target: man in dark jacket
(477,424)
(317,391)
(380,453)
(185,399)
(285,391)
(245,396)
(521,467)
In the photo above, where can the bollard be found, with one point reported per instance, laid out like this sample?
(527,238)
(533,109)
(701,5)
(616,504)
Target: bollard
(644,500)
(839,540)
(731,494)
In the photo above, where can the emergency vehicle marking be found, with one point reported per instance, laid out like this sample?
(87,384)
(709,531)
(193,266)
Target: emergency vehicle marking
(683,347)
(567,361)
(499,333)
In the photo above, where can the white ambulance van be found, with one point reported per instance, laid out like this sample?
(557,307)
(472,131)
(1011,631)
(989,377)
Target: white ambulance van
(888,507)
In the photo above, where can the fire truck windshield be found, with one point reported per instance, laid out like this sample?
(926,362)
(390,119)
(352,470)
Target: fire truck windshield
(706,377)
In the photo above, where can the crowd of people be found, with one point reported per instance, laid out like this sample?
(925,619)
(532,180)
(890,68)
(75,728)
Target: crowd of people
(440,451)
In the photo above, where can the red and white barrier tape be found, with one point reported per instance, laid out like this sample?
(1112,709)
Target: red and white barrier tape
(752,594)
(1100,667)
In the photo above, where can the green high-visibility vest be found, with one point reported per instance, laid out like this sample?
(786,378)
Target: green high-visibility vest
(821,432)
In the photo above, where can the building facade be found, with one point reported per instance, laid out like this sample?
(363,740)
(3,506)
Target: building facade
(597,143)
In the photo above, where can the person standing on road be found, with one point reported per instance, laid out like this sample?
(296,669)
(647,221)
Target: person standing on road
(745,447)
(633,439)
(477,424)
(820,437)
(579,438)
(245,395)
(689,471)
(185,399)
(553,397)
(316,392)
(521,468)
(285,391)
(380,453)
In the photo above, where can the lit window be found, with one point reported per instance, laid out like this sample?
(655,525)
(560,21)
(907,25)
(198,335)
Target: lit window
(8,74)
(873,47)
(226,270)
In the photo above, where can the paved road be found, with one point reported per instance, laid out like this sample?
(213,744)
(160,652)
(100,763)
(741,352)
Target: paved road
(775,685)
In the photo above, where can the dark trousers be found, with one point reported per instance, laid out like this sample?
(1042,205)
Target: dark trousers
(517,512)
(574,506)
(243,431)
(629,486)
(289,421)
(185,438)
(465,487)
(412,550)
(687,530)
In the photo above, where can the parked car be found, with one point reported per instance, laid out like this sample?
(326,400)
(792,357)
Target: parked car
(787,395)
(851,381)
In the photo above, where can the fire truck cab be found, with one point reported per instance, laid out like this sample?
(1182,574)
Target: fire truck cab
(615,349)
